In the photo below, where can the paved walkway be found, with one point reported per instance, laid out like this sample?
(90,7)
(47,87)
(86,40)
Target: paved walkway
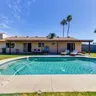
(47,83)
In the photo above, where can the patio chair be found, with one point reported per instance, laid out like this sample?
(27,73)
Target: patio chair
(66,52)
(75,52)
(46,49)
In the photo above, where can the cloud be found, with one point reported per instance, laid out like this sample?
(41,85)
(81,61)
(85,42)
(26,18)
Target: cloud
(15,8)
(2,25)
(20,8)
(4,19)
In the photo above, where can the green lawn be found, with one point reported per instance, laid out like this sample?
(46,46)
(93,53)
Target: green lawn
(9,56)
(93,54)
(55,94)
(13,56)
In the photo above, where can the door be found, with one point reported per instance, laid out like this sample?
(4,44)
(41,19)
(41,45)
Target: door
(29,47)
(71,46)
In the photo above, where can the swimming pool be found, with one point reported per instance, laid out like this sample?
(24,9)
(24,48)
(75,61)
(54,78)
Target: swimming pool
(49,65)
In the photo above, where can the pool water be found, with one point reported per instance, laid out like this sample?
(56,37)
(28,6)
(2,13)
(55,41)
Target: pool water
(49,65)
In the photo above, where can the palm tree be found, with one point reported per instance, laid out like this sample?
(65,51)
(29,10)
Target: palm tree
(63,22)
(69,18)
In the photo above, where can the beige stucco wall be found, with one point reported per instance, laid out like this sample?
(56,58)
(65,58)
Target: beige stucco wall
(18,45)
(78,46)
(62,46)
(52,48)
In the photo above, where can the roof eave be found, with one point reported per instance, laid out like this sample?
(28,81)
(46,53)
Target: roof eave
(50,40)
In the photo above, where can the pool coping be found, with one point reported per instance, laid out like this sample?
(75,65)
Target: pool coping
(46,83)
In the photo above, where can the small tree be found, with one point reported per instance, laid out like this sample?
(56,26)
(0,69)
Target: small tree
(51,35)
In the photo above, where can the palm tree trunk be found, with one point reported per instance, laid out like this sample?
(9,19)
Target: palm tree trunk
(68,29)
(63,30)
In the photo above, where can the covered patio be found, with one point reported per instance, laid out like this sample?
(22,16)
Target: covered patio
(56,45)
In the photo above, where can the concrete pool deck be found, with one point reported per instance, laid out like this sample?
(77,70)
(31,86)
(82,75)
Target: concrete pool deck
(47,83)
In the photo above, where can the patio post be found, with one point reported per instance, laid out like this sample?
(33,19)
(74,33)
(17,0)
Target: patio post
(10,47)
(89,48)
(73,46)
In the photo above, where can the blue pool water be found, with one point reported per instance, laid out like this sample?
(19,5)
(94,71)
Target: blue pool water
(49,65)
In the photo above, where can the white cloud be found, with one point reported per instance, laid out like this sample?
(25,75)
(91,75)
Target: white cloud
(5,20)
(2,25)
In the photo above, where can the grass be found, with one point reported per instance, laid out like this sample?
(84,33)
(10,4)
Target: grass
(93,54)
(6,56)
(54,94)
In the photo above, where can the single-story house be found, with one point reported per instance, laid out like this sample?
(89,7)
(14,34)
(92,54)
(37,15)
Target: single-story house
(28,44)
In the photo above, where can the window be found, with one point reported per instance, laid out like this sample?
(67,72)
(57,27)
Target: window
(7,45)
(10,46)
(40,44)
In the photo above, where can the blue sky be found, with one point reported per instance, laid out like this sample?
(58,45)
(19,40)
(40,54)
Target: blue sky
(40,17)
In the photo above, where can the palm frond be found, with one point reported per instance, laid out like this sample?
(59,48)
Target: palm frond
(69,18)
(63,22)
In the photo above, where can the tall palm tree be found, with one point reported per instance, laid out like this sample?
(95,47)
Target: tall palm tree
(69,18)
(63,22)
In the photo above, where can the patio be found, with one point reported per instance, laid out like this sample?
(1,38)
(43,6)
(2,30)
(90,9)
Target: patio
(51,83)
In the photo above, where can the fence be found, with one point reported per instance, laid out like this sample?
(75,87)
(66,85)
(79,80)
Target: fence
(85,47)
